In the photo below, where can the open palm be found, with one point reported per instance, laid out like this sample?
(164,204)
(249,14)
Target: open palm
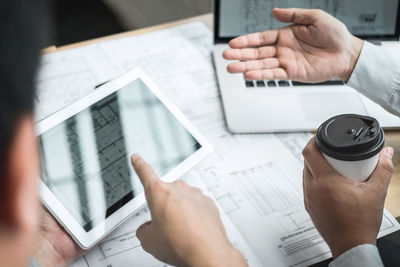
(315,47)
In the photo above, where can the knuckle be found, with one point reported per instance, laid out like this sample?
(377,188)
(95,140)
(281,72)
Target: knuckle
(210,202)
(145,244)
(181,183)
(208,199)
(196,190)
(261,38)
(256,53)
(306,152)
(306,205)
(318,12)
(181,186)
(261,64)
(139,234)
(388,167)
(306,201)
(159,187)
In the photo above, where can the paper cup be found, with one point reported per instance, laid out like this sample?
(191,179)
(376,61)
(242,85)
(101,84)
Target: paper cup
(351,144)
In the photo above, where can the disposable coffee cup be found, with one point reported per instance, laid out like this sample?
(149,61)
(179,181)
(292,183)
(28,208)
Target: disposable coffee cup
(351,144)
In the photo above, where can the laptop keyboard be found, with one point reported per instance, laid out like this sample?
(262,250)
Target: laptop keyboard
(249,84)
(284,83)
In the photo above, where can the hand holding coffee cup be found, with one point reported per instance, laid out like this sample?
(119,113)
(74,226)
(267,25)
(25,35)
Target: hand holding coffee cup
(347,213)
(351,144)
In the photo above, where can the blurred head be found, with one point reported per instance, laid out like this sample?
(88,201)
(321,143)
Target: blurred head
(20,42)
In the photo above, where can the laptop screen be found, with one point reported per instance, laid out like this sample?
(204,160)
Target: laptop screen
(368,19)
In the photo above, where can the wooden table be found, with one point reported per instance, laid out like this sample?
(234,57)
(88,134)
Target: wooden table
(392,137)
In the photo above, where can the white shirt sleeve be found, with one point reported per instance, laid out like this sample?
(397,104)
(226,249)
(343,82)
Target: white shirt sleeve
(377,76)
(33,263)
(361,256)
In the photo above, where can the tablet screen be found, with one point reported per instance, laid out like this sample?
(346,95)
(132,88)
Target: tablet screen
(86,159)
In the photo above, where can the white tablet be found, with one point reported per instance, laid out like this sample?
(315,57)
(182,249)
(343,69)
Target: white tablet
(88,182)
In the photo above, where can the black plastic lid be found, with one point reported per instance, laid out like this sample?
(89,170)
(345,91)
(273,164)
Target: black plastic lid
(350,137)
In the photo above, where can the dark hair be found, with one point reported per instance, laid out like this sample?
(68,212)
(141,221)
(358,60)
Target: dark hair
(21,37)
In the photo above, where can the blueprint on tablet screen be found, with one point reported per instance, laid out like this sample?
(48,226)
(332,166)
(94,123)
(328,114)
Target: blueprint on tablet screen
(255,179)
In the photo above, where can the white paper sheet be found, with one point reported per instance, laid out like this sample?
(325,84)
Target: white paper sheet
(67,76)
(122,248)
(258,181)
(255,179)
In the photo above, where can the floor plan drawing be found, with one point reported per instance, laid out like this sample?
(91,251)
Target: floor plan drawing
(256,180)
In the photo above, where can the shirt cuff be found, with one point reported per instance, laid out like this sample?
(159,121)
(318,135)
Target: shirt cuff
(360,256)
(377,76)
(33,263)
(373,74)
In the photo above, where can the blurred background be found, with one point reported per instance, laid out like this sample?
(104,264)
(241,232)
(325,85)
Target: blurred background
(79,20)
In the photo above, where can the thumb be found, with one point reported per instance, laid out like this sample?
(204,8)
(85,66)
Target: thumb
(296,15)
(147,236)
(380,178)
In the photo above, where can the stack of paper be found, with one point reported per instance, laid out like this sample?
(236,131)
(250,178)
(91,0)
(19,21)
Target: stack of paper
(256,180)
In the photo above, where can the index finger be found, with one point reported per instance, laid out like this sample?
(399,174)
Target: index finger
(315,161)
(255,39)
(146,174)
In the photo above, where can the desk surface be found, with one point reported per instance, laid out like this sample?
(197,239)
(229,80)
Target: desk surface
(392,137)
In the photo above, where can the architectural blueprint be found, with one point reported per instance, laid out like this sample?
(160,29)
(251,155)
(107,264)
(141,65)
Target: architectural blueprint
(256,179)
(68,76)
(122,248)
(246,16)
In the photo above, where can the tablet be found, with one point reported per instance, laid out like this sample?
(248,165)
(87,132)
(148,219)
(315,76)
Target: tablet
(87,180)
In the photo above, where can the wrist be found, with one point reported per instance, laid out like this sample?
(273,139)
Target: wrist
(46,255)
(354,52)
(227,256)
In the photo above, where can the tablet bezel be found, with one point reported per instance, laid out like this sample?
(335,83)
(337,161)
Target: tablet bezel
(84,239)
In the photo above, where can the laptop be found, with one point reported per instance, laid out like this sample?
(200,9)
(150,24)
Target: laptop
(289,106)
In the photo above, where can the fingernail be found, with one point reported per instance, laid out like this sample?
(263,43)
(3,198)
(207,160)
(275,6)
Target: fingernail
(135,157)
(389,152)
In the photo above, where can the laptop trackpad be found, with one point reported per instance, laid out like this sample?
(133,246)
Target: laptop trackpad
(318,107)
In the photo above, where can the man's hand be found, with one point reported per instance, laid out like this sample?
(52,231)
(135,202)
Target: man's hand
(315,47)
(347,213)
(54,247)
(186,229)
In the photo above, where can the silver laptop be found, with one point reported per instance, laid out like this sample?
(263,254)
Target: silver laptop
(287,106)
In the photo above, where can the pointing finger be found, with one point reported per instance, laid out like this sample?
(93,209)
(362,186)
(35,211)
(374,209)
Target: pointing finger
(146,174)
